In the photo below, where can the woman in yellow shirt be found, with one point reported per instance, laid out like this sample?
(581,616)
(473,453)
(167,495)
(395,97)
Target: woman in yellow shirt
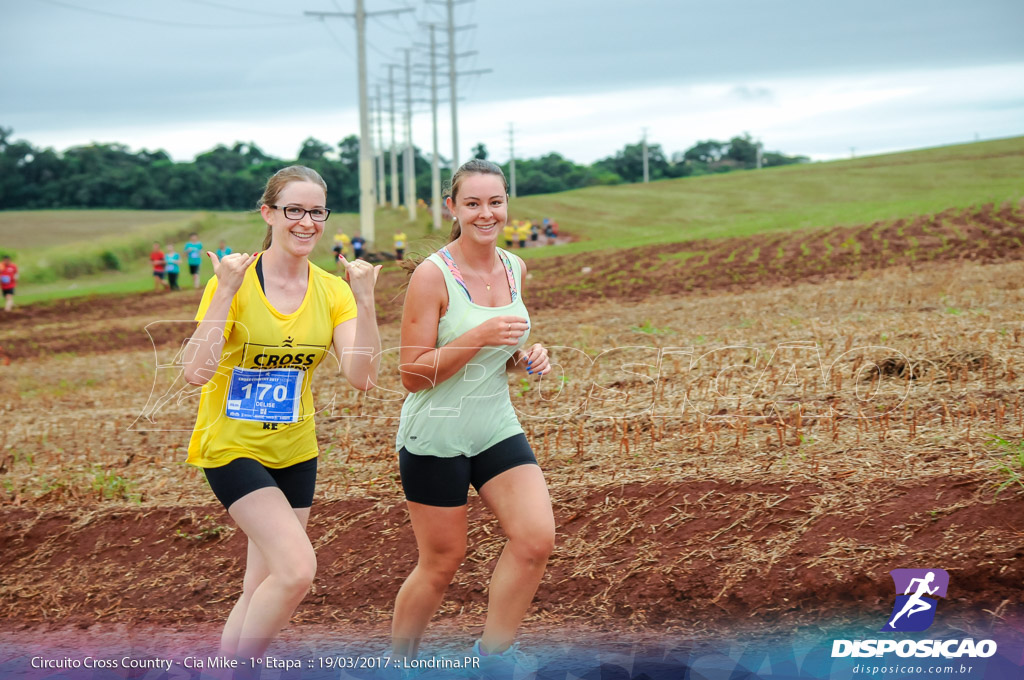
(266,321)
(523,232)
(509,233)
(399,239)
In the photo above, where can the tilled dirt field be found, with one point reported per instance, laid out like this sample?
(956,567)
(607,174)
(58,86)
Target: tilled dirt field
(749,437)
(698,556)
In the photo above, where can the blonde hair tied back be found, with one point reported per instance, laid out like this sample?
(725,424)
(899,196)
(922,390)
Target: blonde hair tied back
(278,181)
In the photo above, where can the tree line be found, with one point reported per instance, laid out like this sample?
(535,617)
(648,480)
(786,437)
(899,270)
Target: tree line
(232,178)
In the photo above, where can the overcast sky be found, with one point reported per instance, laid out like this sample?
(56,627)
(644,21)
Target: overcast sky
(580,77)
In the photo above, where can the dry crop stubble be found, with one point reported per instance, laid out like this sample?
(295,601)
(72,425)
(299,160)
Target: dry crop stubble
(959,389)
(727,506)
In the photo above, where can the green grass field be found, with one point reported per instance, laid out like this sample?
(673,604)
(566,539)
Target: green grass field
(828,194)
(27,230)
(735,204)
(63,253)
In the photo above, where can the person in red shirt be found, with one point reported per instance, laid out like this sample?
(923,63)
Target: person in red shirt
(156,256)
(8,279)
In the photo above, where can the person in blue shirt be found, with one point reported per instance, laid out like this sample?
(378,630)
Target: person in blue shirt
(172,264)
(223,250)
(358,243)
(194,251)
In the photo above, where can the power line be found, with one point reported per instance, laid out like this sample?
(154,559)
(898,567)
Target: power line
(404,28)
(380,22)
(404,32)
(411,30)
(381,53)
(161,22)
(337,39)
(210,3)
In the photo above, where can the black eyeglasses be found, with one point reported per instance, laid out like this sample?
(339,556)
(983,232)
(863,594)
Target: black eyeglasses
(296,213)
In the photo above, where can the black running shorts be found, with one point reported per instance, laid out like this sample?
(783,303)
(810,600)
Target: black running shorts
(242,476)
(444,482)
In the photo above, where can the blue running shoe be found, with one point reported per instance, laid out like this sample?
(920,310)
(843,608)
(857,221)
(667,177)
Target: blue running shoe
(512,664)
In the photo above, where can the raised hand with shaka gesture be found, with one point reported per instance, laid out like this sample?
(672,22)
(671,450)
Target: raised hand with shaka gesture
(230,271)
(361,276)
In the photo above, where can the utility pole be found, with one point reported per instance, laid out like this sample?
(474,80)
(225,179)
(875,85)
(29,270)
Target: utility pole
(760,154)
(394,149)
(366,191)
(453,73)
(452,80)
(512,160)
(382,187)
(647,174)
(409,157)
(435,169)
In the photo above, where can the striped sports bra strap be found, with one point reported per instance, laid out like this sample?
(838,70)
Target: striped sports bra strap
(454,270)
(505,260)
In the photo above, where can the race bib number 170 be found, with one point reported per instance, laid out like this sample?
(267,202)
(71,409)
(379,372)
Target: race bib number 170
(268,396)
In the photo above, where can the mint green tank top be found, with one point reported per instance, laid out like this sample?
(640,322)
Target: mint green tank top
(472,410)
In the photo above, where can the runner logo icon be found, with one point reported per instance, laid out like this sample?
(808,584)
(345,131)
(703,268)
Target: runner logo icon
(917,591)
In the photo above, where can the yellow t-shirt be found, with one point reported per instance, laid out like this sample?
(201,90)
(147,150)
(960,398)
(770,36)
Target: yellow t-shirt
(343,241)
(523,231)
(259,337)
(399,239)
(509,232)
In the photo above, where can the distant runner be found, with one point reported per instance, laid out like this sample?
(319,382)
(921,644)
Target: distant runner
(523,232)
(194,252)
(172,264)
(508,232)
(358,243)
(8,281)
(340,248)
(156,258)
(399,239)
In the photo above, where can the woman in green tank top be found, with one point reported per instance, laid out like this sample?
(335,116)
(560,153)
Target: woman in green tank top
(464,325)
